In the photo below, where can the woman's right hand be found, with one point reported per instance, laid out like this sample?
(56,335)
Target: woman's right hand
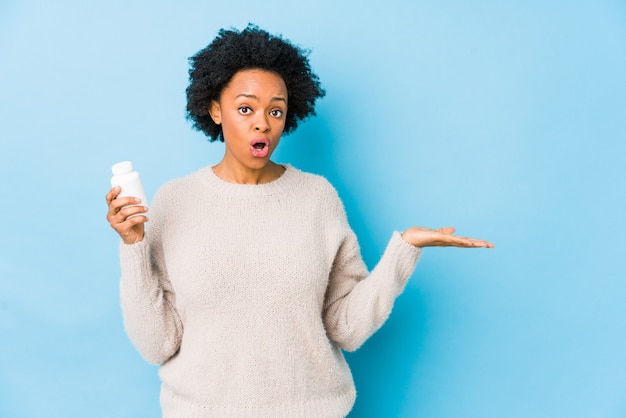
(130,229)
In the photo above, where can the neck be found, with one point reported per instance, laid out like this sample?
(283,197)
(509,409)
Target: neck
(246,175)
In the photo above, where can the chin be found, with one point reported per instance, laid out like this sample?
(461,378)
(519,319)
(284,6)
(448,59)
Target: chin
(259,164)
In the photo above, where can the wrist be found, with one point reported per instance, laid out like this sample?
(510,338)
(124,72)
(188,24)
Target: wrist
(406,237)
(132,240)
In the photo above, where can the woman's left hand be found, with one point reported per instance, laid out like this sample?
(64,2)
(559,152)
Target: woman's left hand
(442,237)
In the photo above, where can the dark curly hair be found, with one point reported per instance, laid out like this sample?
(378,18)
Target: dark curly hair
(252,48)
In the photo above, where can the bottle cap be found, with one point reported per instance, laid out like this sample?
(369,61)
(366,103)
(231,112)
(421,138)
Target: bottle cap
(123,167)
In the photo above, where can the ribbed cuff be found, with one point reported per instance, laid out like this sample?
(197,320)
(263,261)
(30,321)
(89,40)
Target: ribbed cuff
(174,406)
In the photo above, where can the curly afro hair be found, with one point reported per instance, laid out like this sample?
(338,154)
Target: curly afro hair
(252,48)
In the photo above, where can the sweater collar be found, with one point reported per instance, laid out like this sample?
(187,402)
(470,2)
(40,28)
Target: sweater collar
(286,181)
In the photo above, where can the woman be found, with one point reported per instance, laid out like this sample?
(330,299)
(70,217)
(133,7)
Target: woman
(248,282)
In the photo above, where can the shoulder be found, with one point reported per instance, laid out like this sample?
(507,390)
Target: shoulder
(317,191)
(179,187)
(314,182)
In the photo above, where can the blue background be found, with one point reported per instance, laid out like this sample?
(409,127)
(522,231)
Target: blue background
(505,119)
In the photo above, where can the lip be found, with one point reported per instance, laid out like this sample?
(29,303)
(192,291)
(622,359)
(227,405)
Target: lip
(260,141)
(260,152)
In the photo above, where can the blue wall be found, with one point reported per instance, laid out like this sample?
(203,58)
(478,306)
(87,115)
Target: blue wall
(505,119)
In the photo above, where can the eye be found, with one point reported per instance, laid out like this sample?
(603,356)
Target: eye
(245,110)
(277,113)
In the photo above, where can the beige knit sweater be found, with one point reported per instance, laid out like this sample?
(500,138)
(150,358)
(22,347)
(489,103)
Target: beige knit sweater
(246,294)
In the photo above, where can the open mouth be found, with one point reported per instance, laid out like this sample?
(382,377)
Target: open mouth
(259,147)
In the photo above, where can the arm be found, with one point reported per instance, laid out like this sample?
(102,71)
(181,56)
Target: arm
(146,294)
(357,303)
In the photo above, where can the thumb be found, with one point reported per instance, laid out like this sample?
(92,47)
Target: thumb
(448,230)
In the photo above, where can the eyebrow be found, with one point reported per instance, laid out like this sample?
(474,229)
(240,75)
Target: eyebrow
(252,96)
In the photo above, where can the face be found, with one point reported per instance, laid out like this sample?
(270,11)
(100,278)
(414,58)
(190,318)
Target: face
(251,110)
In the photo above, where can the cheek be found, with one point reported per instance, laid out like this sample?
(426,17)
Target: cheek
(280,125)
(230,124)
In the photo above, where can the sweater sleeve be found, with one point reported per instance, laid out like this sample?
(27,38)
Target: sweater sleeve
(357,302)
(148,299)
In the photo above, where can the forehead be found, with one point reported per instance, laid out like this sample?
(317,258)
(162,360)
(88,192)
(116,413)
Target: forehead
(257,82)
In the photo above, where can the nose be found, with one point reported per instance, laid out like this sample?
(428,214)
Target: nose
(261,124)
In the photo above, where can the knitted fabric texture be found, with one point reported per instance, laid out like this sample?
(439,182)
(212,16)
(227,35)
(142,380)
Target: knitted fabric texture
(247,295)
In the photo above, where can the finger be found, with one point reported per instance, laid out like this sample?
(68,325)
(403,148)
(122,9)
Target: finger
(468,243)
(136,220)
(112,194)
(119,215)
(127,211)
(448,230)
(463,242)
(481,244)
(133,230)
(117,204)
(126,227)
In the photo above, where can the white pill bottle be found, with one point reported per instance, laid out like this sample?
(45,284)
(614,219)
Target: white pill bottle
(129,181)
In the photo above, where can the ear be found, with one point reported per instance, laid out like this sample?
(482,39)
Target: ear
(216,112)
